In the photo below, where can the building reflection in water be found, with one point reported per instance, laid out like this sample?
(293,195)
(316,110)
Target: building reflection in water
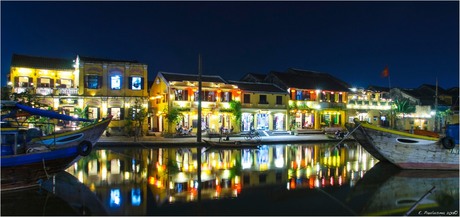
(124,178)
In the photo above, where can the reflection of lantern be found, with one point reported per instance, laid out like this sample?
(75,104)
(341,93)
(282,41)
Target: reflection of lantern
(239,91)
(218,91)
(293,90)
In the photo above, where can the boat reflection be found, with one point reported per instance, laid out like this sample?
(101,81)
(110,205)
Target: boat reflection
(135,179)
(395,192)
(62,194)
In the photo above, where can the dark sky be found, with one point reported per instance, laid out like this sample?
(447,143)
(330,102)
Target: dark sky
(353,41)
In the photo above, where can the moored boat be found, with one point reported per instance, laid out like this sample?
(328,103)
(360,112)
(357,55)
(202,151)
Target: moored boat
(232,145)
(406,150)
(28,157)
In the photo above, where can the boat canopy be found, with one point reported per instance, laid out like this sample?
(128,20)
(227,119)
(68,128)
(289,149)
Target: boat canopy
(44,113)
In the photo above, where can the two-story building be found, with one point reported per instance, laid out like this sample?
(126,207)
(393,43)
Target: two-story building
(372,104)
(316,100)
(264,106)
(180,91)
(106,87)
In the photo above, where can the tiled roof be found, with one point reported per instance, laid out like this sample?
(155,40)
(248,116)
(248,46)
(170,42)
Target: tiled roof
(303,79)
(258,87)
(26,61)
(95,59)
(191,77)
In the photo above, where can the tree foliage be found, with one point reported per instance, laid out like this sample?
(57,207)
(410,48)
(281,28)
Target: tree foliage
(403,106)
(236,111)
(136,116)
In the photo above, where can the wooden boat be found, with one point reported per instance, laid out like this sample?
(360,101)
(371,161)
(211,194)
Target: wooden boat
(27,158)
(397,192)
(405,150)
(231,145)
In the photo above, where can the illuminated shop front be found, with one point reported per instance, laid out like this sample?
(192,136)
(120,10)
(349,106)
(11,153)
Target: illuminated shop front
(247,121)
(278,121)
(263,120)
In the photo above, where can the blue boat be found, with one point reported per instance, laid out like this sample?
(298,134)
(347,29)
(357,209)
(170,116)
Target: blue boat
(28,156)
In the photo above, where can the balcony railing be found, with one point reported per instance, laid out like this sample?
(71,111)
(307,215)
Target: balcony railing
(67,91)
(182,104)
(44,91)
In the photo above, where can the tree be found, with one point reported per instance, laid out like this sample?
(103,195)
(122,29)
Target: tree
(236,111)
(137,114)
(173,117)
(82,113)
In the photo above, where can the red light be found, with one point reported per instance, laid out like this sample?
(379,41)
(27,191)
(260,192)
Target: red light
(292,184)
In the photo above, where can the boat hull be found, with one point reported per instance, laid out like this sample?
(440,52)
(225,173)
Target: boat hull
(55,153)
(231,145)
(406,150)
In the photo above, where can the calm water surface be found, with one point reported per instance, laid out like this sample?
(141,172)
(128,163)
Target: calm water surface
(287,179)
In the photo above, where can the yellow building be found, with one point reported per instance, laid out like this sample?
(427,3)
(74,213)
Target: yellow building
(264,106)
(107,87)
(316,100)
(180,91)
(372,105)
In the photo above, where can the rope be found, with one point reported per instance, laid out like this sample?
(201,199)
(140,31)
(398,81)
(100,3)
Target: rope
(44,168)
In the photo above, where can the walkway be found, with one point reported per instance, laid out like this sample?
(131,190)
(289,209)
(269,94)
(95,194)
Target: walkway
(160,140)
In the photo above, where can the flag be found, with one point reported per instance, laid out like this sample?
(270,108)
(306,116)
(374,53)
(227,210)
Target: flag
(385,72)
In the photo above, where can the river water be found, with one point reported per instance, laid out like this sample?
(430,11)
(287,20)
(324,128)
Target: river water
(287,179)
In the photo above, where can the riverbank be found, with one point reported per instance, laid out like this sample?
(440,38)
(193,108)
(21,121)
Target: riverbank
(158,140)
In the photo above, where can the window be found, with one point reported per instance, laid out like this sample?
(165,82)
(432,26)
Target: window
(44,82)
(64,83)
(93,113)
(23,81)
(226,96)
(135,83)
(115,82)
(263,99)
(247,98)
(93,81)
(279,100)
(299,95)
(117,113)
(181,94)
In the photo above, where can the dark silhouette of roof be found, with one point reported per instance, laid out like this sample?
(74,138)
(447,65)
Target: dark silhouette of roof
(258,87)
(95,59)
(191,77)
(304,79)
(253,77)
(378,89)
(36,62)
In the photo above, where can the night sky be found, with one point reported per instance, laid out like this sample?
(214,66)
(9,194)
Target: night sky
(354,41)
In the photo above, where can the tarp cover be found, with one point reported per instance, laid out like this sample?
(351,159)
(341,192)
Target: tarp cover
(49,114)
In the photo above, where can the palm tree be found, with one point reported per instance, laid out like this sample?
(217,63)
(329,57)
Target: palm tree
(402,106)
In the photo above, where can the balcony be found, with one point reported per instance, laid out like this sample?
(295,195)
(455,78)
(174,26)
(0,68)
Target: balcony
(182,104)
(22,89)
(325,105)
(44,91)
(67,91)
